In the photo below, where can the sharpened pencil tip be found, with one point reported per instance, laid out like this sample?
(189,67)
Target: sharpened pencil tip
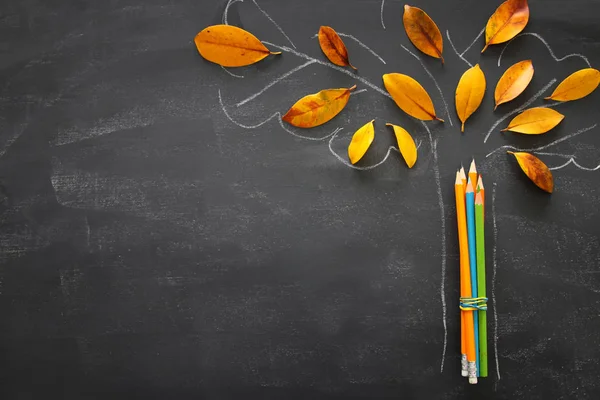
(473,167)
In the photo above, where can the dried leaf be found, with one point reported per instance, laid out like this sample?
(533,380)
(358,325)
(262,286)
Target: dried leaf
(423,32)
(316,109)
(577,85)
(333,47)
(513,82)
(507,22)
(535,121)
(469,93)
(230,46)
(361,140)
(406,145)
(410,96)
(535,170)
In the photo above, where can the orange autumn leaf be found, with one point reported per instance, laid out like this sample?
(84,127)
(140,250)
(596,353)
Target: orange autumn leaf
(513,82)
(361,141)
(230,46)
(469,93)
(535,170)
(316,109)
(535,121)
(410,96)
(507,22)
(333,47)
(406,145)
(423,32)
(577,85)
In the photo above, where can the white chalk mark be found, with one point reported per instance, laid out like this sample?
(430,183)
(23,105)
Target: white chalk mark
(473,42)
(495,270)
(230,2)
(456,51)
(434,81)
(584,58)
(517,110)
(436,172)
(347,163)
(231,73)
(274,82)
(359,43)
(274,23)
(554,154)
(314,139)
(359,91)
(536,149)
(381,13)
(572,161)
(88,231)
(332,66)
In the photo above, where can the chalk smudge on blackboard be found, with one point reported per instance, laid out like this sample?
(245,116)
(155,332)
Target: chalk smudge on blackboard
(572,161)
(541,39)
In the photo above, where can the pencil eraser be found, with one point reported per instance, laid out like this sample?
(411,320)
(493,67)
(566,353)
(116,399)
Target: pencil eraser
(473,381)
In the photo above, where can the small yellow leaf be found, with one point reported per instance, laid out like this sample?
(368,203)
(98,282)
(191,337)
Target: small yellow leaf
(577,85)
(316,109)
(406,145)
(230,46)
(333,47)
(361,140)
(535,170)
(507,22)
(469,93)
(535,121)
(513,82)
(410,96)
(423,32)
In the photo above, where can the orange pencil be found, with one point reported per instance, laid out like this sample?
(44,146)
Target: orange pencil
(465,277)
(463,178)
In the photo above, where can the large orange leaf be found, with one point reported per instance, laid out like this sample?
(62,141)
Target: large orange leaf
(507,22)
(316,109)
(423,32)
(469,93)
(361,141)
(535,121)
(406,145)
(410,96)
(334,48)
(513,82)
(577,85)
(230,46)
(535,170)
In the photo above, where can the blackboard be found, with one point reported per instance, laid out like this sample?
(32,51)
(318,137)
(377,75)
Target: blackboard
(159,239)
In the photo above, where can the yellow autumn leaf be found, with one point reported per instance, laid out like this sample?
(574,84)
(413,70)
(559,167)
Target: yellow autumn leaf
(316,109)
(333,47)
(577,85)
(535,170)
(507,22)
(423,32)
(535,121)
(406,145)
(361,141)
(513,82)
(410,96)
(230,46)
(469,93)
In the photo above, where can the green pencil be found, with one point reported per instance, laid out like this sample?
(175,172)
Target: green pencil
(481,292)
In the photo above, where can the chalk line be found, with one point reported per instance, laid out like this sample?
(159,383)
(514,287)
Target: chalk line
(436,172)
(536,149)
(473,42)
(332,66)
(554,154)
(348,164)
(358,91)
(274,82)
(230,2)
(274,23)
(381,13)
(434,81)
(536,35)
(517,110)
(456,51)
(231,73)
(572,161)
(495,269)
(242,125)
(359,43)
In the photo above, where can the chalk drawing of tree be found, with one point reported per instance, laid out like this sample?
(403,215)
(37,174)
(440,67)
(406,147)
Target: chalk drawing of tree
(429,133)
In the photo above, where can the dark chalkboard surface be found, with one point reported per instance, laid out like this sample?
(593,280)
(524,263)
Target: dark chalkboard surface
(164,236)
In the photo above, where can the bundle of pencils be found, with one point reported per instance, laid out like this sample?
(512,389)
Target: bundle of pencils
(470,198)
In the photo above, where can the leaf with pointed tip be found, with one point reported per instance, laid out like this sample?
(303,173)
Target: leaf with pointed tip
(410,96)
(361,141)
(535,121)
(535,170)
(577,85)
(406,145)
(513,82)
(509,19)
(333,47)
(469,93)
(423,32)
(316,109)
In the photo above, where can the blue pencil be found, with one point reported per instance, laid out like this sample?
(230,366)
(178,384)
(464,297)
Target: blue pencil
(470,200)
